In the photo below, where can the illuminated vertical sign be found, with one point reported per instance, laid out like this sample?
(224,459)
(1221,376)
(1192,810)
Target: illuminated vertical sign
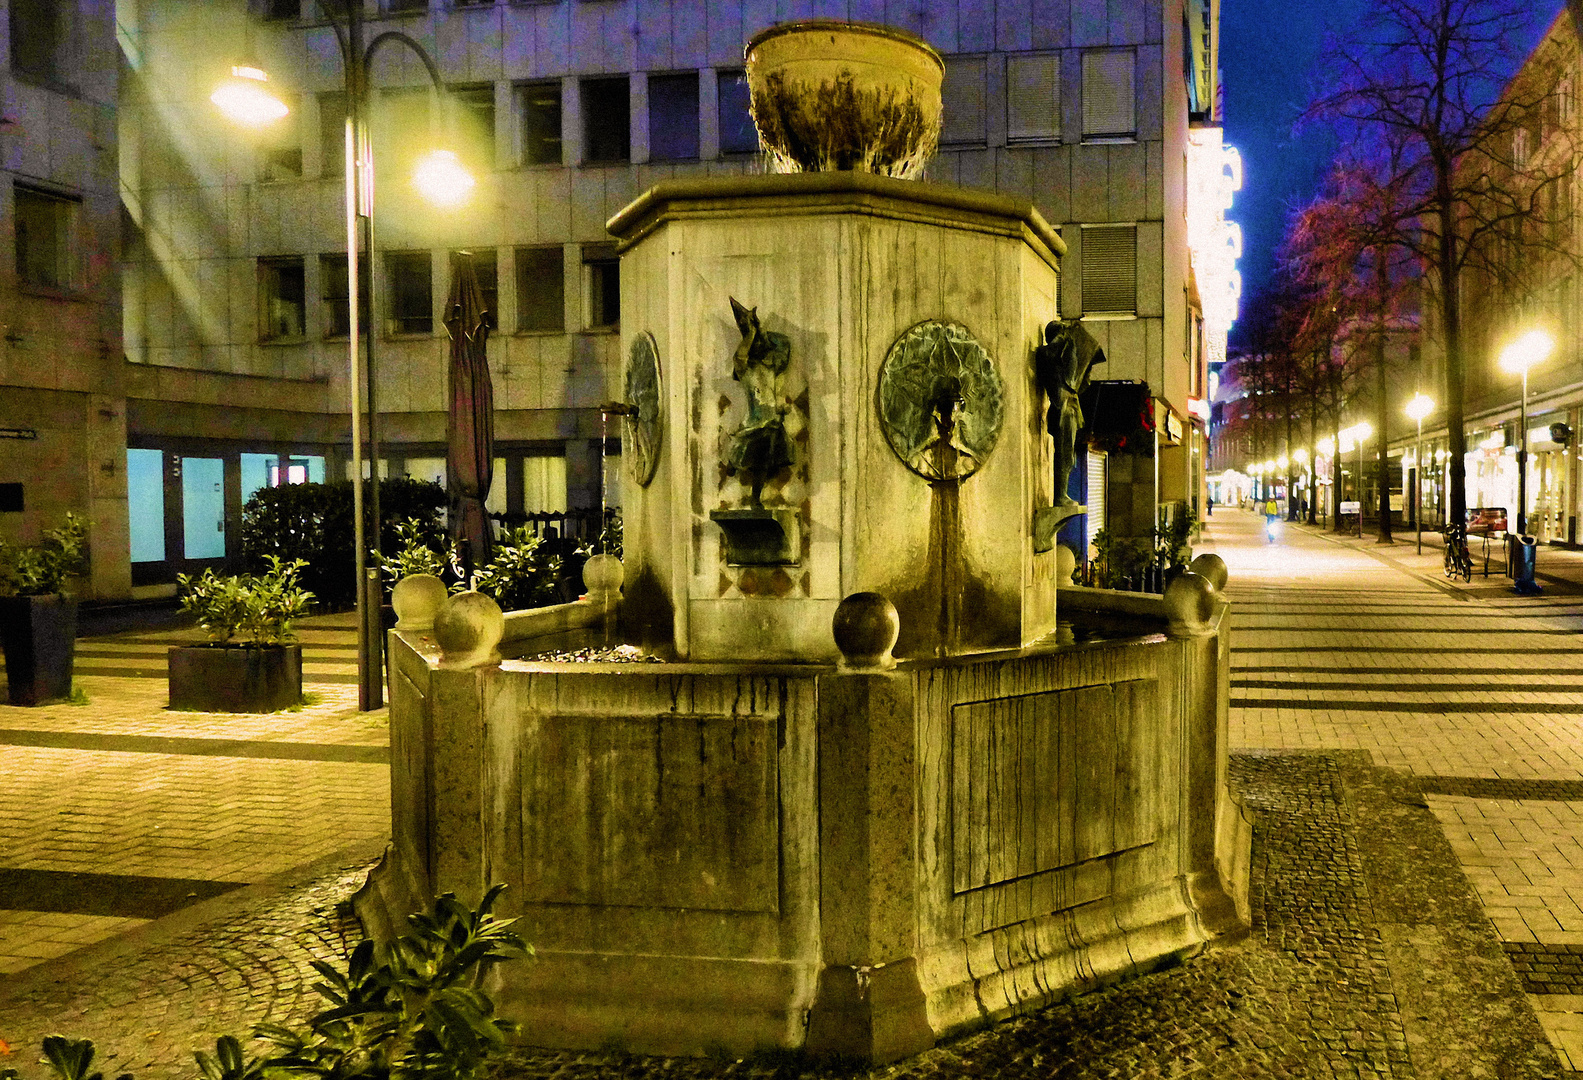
(1214,175)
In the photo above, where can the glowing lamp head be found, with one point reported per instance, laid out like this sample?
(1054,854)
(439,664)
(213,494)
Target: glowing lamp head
(1530,349)
(1281,463)
(1362,430)
(1326,447)
(1419,407)
(1300,455)
(245,98)
(441,179)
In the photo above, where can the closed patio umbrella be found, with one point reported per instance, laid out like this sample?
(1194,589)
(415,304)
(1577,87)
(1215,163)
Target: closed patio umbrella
(470,426)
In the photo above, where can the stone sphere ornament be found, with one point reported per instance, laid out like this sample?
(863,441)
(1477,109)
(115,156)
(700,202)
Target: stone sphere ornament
(941,401)
(416,599)
(467,628)
(866,626)
(834,96)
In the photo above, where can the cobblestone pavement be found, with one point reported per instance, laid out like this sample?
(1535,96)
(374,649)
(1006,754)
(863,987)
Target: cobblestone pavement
(1416,827)
(119,811)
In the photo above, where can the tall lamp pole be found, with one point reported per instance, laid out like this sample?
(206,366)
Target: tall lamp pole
(1530,349)
(441,179)
(1418,408)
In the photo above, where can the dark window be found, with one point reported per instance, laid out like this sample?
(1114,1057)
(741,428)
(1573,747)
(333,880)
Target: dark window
(333,286)
(737,133)
(411,292)
(1109,104)
(405,7)
(45,252)
(541,123)
(402,132)
(607,120)
(283,298)
(332,134)
(673,117)
(280,149)
(488,284)
(38,36)
(475,113)
(541,288)
(280,9)
(602,273)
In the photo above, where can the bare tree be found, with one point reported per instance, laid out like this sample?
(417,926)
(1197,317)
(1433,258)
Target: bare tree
(1429,77)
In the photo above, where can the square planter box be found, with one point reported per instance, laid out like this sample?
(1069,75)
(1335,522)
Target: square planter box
(235,678)
(39,634)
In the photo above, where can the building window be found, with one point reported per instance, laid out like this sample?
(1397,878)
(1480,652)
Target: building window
(1520,147)
(406,7)
(962,96)
(39,33)
(1564,101)
(544,485)
(333,287)
(488,275)
(607,120)
(1110,270)
(280,148)
(1109,102)
(402,130)
(1033,98)
(541,123)
(673,117)
(274,10)
(332,134)
(541,289)
(737,133)
(475,116)
(411,292)
(602,287)
(283,297)
(45,251)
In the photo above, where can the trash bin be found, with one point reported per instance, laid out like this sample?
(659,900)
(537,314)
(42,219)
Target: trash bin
(1522,551)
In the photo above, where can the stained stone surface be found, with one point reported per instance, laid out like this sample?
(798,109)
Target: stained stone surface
(1368,957)
(928,361)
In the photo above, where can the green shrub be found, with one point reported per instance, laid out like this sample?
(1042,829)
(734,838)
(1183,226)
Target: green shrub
(409,1010)
(263,606)
(45,568)
(417,553)
(522,573)
(313,522)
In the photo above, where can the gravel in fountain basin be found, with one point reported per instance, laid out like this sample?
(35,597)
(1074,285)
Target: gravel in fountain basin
(610,654)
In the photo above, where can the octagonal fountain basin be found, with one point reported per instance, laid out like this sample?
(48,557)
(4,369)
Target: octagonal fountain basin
(845,96)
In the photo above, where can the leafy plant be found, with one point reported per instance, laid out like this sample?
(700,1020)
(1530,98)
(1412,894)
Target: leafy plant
(417,552)
(522,574)
(263,607)
(1121,560)
(610,537)
(43,569)
(314,522)
(409,1010)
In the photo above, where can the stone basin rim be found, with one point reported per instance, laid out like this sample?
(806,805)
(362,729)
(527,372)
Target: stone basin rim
(798,26)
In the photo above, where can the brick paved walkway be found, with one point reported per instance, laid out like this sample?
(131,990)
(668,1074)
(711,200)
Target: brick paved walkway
(1411,747)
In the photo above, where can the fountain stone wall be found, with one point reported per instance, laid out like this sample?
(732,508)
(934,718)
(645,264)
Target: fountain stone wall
(842,265)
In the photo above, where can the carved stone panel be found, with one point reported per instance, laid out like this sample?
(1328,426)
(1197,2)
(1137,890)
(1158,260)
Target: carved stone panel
(1043,781)
(643,431)
(941,401)
(674,811)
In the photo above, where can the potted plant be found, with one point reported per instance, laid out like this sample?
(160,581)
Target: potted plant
(38,621)
(262,672)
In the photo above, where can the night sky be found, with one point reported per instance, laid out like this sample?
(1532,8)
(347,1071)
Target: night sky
(1269,57)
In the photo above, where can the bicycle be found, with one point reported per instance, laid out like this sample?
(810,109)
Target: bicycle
(1458,563)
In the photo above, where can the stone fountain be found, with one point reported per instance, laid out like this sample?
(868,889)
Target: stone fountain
(868,790)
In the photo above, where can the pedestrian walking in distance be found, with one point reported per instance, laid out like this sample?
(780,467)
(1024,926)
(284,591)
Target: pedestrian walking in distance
(1272,513)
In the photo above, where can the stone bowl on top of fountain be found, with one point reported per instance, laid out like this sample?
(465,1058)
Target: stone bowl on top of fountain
(832,96)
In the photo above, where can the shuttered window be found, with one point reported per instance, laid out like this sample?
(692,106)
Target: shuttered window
(1033,98)
(1110,270)
(1109,101)
(1096,493)
(962,95)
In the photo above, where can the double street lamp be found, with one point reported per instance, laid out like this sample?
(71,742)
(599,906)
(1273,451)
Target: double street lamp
(1357,433)
(440,178)
(1418,408)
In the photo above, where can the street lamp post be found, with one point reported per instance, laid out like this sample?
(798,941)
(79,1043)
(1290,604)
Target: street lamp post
(1418,408)
(440,178)
(1517,358)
